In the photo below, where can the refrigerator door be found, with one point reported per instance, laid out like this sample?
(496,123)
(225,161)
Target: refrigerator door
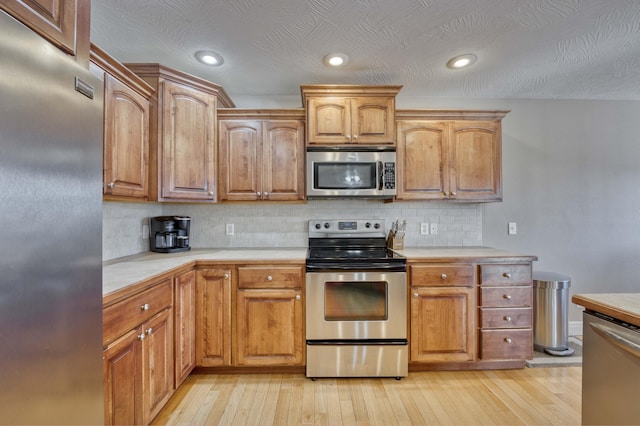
(51,234)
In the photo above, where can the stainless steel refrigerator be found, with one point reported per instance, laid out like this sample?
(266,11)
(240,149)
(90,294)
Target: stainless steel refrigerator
(50,234)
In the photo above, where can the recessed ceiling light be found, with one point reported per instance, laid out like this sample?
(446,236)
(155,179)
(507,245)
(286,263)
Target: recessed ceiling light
(462,61)
(209,57)
(335,59)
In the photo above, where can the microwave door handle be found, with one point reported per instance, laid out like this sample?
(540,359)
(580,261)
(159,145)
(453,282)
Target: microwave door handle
(380,176)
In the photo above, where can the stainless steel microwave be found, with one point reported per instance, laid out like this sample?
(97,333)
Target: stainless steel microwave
(358,172)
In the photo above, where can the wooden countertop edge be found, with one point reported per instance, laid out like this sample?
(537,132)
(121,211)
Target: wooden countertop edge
(606,309)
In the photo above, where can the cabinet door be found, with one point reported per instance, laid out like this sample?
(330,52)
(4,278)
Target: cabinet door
(54,20)
(240,160)
(329,121)
(373,120)
(157,364)
(126,141)
(188,145)
(283,160)
(422,153)
(269,327)
(213,317)
(122,380)
(442,324)
(475,160)
(185,325)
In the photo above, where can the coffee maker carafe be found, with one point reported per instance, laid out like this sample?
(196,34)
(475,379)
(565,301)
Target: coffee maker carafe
(170,234)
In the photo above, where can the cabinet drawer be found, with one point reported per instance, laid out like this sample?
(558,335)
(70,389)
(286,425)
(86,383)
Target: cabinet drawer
(125,315)
(506,297)
(506,317)
(502,274)
(270,276)
(506,344)
(441,275)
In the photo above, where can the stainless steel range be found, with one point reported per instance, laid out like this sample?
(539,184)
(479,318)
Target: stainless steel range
(356,301)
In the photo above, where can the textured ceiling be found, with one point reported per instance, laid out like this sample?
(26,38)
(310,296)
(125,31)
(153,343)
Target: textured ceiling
(551,49)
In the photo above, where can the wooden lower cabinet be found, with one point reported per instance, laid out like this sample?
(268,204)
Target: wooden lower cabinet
(138,372)
(269,327)
(442,324)
(213,317)
(505,311)
(184,325)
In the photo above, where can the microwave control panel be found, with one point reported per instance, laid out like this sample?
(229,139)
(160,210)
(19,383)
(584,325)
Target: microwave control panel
(389,175)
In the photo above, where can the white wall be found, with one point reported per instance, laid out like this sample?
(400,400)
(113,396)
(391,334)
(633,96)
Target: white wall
(571,174)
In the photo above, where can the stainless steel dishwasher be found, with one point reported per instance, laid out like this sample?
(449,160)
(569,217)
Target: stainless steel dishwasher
(610,371)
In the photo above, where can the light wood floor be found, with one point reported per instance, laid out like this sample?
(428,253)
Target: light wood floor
(533,396)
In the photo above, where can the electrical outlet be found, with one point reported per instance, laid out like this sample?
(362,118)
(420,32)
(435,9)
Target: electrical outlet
(230,229)
(434,229)
(424,228)
(513,230)
(145,232)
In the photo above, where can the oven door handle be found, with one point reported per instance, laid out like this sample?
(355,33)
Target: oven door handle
(371,267)
(380,176)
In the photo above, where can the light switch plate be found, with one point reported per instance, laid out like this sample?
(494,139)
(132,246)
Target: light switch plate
(424,228)
(230,229)
(513,230)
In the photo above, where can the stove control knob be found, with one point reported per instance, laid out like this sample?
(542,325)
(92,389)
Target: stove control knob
(326,225)
(377,226)
(318,226)
(367,225)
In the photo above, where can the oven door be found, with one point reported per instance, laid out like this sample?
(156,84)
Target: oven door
(345,305)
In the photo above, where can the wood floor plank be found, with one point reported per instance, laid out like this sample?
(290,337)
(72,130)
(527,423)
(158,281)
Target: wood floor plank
(529,396)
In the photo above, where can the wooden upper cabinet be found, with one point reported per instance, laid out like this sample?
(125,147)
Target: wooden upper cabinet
(350,114)
(449,155)
(261,155)
(182,141)
(126,129)
(65,23)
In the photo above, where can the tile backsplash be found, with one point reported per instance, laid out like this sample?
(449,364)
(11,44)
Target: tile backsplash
(285,225)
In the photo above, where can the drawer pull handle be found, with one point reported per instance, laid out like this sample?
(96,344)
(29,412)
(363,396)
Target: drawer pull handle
(507,339)
(443,276)
(144,307)
(149,330)
(269,278)
(506,275)
(298,297)
(506,296)
(141,336)
(226,276)
(416,295)
(507,319)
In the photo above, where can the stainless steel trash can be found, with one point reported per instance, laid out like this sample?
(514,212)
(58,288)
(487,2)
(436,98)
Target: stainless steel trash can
(551,313)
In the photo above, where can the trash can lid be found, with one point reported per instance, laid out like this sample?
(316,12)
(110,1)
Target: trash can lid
(544,279)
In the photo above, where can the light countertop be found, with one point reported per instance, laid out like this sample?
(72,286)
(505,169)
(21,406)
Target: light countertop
(622,306)
(121,273)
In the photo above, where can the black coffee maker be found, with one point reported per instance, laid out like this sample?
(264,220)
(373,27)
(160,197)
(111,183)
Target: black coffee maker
(170,234)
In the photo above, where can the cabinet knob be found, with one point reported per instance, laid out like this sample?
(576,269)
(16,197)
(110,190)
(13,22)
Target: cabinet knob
(348,137)
(416,295)
(258,194)
(507,339)
(266,195)
(507,319)
(506,296)
(144,307)
(211,193)
(443,276)
(141,336)
(298,297)
(506,275)
(111,185)
(453,194)
(148,330)
(269,278)
(355,137)
(226,276)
